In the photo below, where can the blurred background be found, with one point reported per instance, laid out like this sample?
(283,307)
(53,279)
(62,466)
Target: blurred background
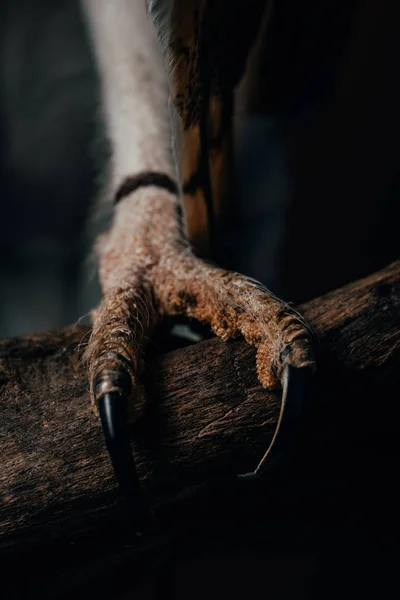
(317,170)
(49,163)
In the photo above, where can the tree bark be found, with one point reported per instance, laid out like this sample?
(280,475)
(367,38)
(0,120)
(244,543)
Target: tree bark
(207,419)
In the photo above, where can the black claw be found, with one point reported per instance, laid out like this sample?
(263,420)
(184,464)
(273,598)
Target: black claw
(296,386)
(113,416)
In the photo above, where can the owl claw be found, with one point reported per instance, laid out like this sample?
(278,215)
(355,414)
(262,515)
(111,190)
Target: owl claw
(114,421)
(295,388)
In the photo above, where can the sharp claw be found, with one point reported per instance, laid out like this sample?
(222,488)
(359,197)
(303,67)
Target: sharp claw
(295,388)
(113,416)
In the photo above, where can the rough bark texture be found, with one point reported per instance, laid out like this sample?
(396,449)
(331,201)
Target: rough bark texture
(208,418)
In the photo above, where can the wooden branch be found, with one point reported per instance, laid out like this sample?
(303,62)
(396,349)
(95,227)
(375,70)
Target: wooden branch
(208,417)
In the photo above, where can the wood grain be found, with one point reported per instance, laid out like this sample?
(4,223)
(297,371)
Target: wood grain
(208,418)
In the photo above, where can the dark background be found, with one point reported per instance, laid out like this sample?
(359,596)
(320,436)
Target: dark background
(320,163)
(49,127)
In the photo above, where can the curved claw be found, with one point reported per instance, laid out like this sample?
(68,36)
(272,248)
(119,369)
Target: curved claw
(295,388)
(113,416)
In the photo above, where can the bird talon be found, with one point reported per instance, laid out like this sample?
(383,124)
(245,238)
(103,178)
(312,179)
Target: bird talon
(114,421)
(295,387)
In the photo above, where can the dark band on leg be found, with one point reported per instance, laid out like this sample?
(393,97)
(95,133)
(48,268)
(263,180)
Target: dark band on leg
(145,179)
